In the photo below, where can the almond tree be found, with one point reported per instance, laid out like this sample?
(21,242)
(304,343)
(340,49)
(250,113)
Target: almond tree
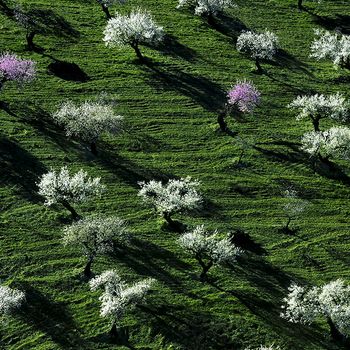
(94,236)
(177,196)
(330,301)
(318,106)
(88,121)
(10,300)
(334,46)
(241,98)
(13,68)
(259,46)
(208,249)
(118,297)
(135,29)
(62,188)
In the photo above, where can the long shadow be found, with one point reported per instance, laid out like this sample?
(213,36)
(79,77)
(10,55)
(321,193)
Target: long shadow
(67,71)
(51,318)
(294,155)
(231,27)
(19,168)
(243,240)
(190,328)
(171,46)
(285,59)
(200,89)
(338,22)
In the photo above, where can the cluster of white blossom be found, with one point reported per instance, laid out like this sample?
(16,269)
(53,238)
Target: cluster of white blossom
(207,7)
(88,120)
(174,197)
(319,106)
(334,142)
(334,46)
(10,299)
(136,28)
(258,45)
(294,206)
(209,245)
(60,187)
(118,296)
(95,235)
(331,301)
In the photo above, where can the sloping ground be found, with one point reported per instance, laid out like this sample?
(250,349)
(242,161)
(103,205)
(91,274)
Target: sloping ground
(170,108)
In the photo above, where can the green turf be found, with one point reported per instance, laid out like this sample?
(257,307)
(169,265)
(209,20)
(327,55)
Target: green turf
(170,111)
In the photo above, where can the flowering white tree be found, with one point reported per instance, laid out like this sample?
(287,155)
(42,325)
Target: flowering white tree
(331,301)
(177,196)
(94,236)
(10,300)
(60,187)
(318,106)
(134,29)
(118,297)
(88,121)
(334,143)
(208,249)
(105,4)
(334,46)
(258,46)
(208,8)
(293,207)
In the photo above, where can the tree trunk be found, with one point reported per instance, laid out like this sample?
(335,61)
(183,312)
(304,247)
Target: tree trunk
(288,222)
(316,123)
(169,220)
(106,11)
(87,269)
(221,121)
(75,215)
(210,19)
(258,66)
(138,52)
(114,331)
(300,4)
(336,335)
(205,268)
(30,39)
(93,148)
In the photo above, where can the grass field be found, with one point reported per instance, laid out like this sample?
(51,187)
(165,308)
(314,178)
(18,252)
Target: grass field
(170,107)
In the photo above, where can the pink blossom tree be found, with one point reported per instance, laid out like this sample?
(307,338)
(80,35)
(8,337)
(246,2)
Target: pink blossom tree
(13,68)
(241,98)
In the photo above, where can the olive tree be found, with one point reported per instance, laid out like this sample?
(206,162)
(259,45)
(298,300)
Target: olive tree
(176,196)
(333,46)
(258,46)
(94,236)
(208,248)
(14,68)
(332,143)
(118,297)
(10,300)
(208,8)
(318,106)
(88,121)
(331,301)
(59,187)
(242,98)
(133,30)
(106,4)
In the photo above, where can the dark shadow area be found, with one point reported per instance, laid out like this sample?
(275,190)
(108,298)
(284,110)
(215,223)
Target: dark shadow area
(285,59)
(339,22)
(49,317)
(200,89)
(67,71)
(19,168)
(231,27)
(5,9)
(242,239)
(190,328)
(172,47)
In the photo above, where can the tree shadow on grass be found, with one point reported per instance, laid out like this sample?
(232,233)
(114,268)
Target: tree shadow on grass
(49,317)
(200,89)
(285,59)
(67,71)
(229,26)
(339,22)
(19,168)
(171,46)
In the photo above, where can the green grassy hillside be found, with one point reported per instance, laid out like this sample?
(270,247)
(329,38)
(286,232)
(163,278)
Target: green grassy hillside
(170,107)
